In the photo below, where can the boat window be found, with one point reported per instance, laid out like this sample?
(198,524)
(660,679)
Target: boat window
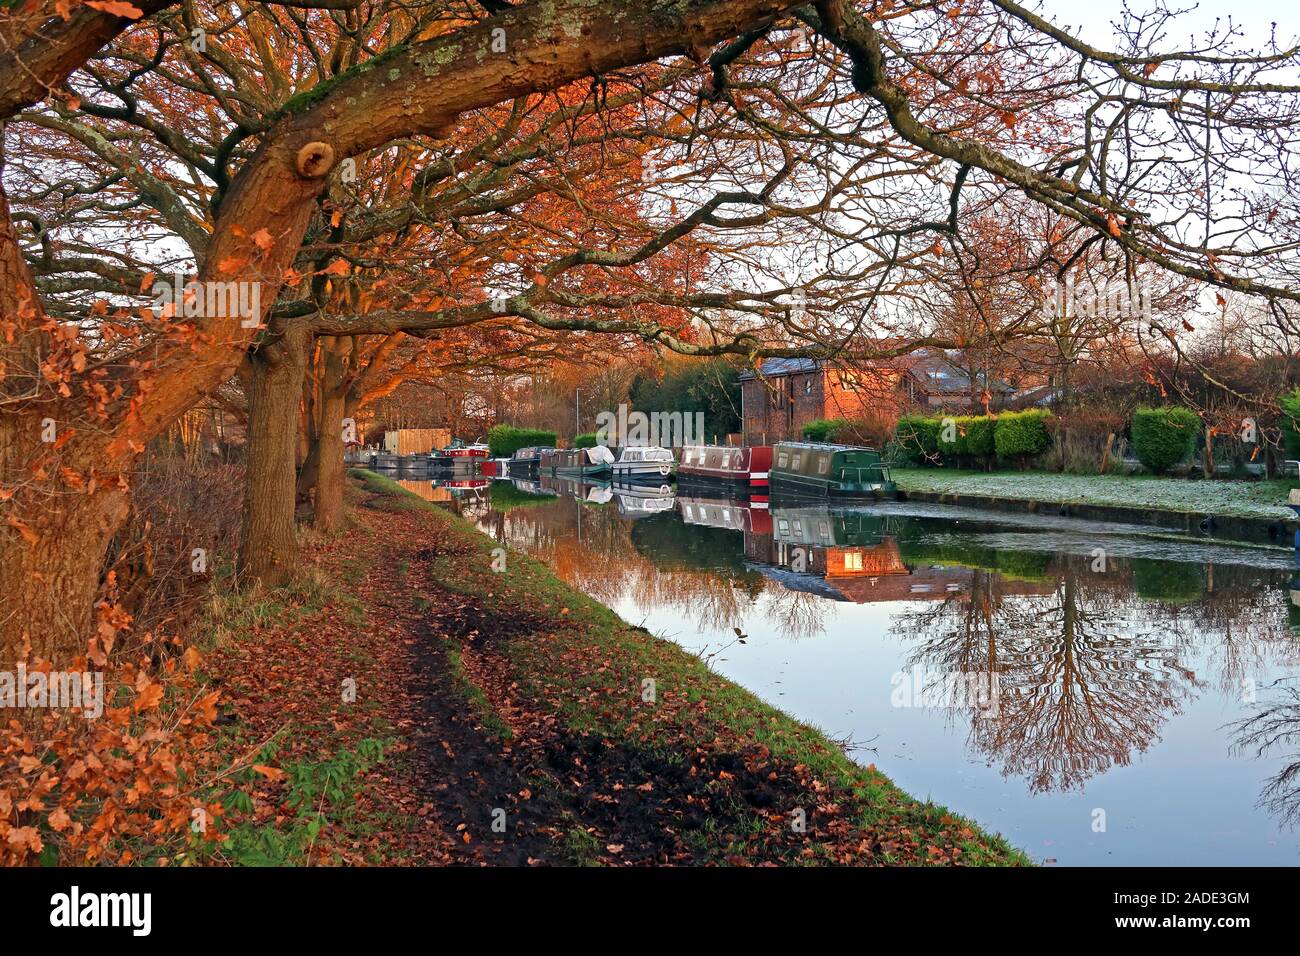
(782,460)
(690,511)
(825,529)
(853,561)
(823,464)
(796,463)
(783,525)
(726,514)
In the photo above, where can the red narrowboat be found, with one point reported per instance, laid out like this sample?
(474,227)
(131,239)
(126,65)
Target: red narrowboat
(717,463)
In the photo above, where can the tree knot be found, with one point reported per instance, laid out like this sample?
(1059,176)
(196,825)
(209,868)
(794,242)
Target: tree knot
(315,159)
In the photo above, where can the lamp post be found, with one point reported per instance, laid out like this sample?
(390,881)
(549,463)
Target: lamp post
(577,417)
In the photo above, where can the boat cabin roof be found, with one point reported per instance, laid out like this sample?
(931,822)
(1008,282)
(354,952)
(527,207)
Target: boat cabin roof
(823,446)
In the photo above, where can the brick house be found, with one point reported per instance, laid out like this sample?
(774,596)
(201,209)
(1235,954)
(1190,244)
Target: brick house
(784,395)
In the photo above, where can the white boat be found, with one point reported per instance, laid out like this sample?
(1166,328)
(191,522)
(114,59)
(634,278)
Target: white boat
(645,462)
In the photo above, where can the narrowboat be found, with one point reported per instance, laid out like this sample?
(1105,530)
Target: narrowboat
(747,466)
(524,462)
(459,456)
(642,463)
(577,462)
(820,470)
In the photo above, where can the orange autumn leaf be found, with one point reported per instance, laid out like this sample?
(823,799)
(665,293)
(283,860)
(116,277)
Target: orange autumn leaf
(263,240)
(28,534)
(118,8)
(149,698)
(270,773)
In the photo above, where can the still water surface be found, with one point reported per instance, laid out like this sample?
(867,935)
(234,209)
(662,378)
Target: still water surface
(1123,664)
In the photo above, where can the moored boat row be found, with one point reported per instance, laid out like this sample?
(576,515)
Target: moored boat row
(788,469)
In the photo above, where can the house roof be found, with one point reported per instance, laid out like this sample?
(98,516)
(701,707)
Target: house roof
(773,367)
(931,367)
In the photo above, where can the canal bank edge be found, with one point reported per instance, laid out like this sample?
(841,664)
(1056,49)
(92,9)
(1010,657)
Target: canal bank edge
(631,739)
(1217,527)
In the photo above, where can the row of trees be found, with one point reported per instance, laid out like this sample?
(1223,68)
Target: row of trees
(370,194)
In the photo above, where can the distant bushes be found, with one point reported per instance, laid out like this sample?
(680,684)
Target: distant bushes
(1164,437)
(917,439)
(825,429)
(1290,404)
(505,440)
(585,440)
(972,440)
(871,430)
(1022,435)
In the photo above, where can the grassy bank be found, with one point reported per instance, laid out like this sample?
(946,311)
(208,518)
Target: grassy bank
(625,748)
(1239,499)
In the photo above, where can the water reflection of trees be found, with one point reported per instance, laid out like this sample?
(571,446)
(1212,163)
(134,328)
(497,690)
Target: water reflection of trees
(1089,673)
(1090,665)
(1276,729)
(698,572)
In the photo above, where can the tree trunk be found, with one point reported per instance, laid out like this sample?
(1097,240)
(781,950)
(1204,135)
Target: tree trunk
(328,513)
(268,546)
(50,585)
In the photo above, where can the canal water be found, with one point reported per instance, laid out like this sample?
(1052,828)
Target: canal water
(1097,694)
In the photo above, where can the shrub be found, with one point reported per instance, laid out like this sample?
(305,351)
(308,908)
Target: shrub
(980,435)
(585,440)
(1022,435)
(1290,404)
(1163,437)
(505,440)
(1080,437)
(825,429)
(917,438)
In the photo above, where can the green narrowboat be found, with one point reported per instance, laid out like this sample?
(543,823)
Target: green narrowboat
(820,470)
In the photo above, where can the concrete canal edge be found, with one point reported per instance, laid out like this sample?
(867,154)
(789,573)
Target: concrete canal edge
(771,788)
(1218,527)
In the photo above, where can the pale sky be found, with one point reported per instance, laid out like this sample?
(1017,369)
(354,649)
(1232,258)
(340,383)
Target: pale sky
(1253,16)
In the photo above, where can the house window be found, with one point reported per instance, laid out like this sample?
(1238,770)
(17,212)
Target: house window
(807,386)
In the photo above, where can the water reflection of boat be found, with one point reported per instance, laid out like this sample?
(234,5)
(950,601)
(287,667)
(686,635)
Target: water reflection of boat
(532,487)
(591,492)
(631,505)
(725,513)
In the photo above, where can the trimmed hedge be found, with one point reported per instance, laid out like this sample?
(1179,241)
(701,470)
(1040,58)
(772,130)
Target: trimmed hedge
(1022,435)
(505,440)
(973,439)
(585,440)
(917,438)
(1163,437)
(824,429)
(1290,404)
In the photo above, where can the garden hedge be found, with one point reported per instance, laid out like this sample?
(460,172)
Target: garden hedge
(918,438)
(505,440)
(1022,435)
(824,429)
(1163,437)
(1291,423)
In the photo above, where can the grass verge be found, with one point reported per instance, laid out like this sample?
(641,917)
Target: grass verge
(715,774)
